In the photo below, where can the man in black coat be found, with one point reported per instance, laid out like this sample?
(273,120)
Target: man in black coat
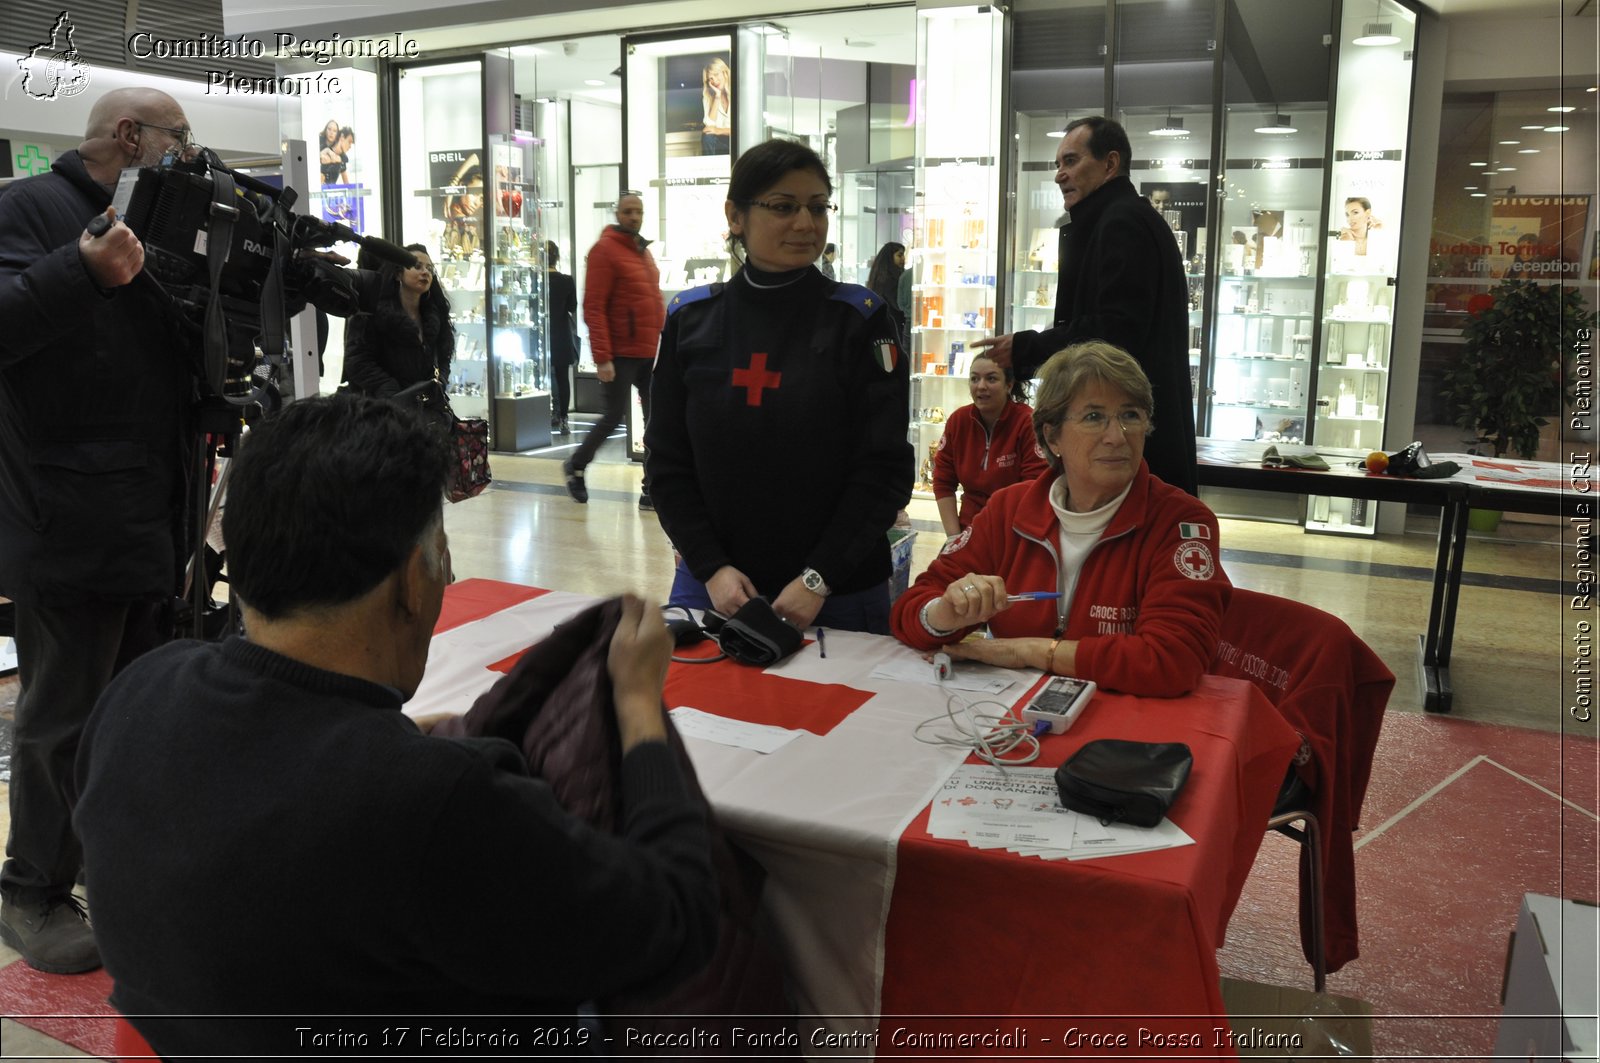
(1122,281)
(94,401)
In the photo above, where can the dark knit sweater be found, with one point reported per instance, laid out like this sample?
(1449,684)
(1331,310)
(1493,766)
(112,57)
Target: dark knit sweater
(777,435)
(266,837)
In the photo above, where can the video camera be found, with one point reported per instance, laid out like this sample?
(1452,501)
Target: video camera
(227,253)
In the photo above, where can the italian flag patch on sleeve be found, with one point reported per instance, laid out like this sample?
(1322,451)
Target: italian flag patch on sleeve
(1193,531)
(888,354)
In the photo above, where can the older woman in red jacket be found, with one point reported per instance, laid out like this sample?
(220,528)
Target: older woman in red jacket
(1130,564)
(986,446)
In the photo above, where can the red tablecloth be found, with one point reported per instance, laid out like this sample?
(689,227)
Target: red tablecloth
(1128,935)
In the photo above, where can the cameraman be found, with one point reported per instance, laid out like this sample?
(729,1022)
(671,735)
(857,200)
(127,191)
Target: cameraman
(95,396)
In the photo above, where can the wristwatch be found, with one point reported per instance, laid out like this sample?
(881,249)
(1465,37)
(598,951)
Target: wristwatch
(815,583)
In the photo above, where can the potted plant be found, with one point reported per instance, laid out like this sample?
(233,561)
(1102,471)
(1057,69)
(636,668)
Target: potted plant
(1509,374)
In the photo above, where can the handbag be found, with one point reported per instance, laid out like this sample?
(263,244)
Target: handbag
(469,437)
(469,468)
(1119,781)
(428,400)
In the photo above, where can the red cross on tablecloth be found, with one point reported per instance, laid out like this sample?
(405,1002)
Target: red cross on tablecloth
(755,379)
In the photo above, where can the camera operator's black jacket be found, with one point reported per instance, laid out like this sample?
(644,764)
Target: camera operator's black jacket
(384,355)
(95,400)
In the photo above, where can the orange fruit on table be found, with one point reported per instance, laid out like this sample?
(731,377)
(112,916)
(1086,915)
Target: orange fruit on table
(1377,461)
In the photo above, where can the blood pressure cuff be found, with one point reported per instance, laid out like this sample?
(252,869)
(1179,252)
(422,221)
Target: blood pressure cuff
(755,635)
(1118,781)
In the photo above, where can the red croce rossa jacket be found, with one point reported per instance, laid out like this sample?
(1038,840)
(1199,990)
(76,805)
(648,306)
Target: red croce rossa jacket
(622,302)
(1148,604)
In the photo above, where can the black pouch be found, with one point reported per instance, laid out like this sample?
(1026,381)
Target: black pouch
(1414,461)
(755,635)
(1124,782)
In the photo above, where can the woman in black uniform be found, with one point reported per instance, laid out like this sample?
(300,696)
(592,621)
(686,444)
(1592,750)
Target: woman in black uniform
(777,451)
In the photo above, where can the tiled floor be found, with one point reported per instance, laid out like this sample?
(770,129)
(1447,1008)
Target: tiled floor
(1461,820)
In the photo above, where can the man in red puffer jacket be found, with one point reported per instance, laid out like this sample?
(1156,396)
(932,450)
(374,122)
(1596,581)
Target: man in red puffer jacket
(623,309)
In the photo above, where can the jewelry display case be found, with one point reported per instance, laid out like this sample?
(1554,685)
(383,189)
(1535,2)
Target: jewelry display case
(1365,189)
(957,234)
(518,343)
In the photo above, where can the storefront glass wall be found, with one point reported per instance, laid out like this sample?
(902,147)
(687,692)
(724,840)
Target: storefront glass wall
(1514,198)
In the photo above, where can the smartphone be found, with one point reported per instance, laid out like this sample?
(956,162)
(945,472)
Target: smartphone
(1059,702)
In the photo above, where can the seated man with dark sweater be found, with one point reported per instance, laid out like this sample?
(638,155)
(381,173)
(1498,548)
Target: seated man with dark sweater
(268,834)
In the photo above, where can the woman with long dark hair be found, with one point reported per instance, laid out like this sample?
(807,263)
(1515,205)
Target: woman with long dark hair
(777,450)
(407,339)
(884,278)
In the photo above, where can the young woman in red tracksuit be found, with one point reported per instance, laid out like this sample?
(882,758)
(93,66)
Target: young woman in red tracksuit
(986,446)
(1135,561)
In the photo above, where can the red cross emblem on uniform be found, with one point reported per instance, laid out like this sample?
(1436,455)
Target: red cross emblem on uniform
(755,378)
(1194,560)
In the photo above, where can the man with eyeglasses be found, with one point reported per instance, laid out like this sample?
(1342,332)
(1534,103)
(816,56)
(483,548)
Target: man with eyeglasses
(95,395)
(623,308)
(1122,281)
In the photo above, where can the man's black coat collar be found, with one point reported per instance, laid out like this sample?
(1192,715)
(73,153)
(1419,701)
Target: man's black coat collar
(1089,207)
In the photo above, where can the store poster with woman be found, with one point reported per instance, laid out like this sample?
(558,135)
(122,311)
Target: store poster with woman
(341,192)
(456,176)
(698,100)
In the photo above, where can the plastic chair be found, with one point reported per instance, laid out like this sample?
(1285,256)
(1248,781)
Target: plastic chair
(1333,689)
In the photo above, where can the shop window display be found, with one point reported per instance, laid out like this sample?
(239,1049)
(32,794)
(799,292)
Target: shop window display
(954,252)
(1358,279)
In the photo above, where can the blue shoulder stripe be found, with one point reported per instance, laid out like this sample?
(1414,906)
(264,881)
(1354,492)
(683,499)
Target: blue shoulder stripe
(863,299)
(693,295)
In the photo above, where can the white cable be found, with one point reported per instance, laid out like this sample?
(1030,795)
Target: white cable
(988,735)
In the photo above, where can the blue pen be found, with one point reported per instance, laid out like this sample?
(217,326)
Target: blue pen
(1033,596)
(822,643)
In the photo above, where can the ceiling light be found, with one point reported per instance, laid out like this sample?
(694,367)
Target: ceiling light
(1592,88)
(1172,127)
(1469,188)
(1533,127)
(1378,32)
(1477,164)
(1511,142)
(1057,133)
(593,81)
(1560,110)
(1527,151)
(1277,125)
(1505,169)
(1555,128)
(1479,195)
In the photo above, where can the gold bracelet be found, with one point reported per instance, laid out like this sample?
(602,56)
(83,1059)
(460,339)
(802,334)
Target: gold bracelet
(1050,662)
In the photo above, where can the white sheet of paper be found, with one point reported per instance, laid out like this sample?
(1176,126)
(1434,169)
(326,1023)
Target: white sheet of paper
(763,738)
(980,678)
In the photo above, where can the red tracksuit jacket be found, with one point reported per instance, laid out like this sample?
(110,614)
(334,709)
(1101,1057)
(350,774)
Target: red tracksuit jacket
(1148,605)
(981,463)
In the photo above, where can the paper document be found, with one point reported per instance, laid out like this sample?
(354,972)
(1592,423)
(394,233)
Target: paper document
(981,678)
(1019,809)
(693,723)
